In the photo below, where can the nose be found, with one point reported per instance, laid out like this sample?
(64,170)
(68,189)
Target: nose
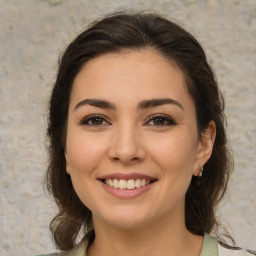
(126,146)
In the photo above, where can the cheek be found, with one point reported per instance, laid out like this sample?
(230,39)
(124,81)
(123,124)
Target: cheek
(176,149)
(83,152)
(175,155)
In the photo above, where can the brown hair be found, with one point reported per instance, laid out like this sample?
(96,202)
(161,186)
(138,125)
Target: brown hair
(136,31)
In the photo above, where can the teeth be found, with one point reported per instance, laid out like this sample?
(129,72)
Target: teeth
(115,183)
(126,184)
(138,183)
(122,184)
(130,184)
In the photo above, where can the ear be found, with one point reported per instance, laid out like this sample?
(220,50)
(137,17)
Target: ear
(67,163)
(205,147)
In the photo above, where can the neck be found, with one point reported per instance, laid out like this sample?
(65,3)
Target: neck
(165,238)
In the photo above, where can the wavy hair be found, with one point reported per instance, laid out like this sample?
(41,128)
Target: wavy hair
(135,31)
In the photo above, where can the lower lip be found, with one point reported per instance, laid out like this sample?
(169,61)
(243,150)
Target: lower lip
(127,193)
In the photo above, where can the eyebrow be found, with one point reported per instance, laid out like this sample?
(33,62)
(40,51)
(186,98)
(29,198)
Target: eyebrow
(145,104)
(96,103)
(158,102)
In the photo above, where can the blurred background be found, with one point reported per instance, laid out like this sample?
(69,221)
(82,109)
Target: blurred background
(33,33)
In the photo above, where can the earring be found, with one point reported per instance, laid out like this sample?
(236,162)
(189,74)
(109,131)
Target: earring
(201,168)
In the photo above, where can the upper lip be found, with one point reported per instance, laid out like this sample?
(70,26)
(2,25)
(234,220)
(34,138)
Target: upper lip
(127,176)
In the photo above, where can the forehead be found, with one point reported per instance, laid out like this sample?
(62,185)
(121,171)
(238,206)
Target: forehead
(129,61)
(130,74)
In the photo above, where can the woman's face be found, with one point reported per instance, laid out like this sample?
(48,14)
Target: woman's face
(132,140)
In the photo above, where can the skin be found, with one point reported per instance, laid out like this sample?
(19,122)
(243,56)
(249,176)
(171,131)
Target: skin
(128,139)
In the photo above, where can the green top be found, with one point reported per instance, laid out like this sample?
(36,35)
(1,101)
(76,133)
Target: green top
(209,248)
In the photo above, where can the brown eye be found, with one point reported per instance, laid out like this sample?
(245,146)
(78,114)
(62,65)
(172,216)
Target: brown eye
(94,121)
(160,121)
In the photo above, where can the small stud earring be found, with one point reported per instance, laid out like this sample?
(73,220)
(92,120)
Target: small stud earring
(201,168)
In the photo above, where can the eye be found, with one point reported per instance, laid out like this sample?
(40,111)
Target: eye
(160,120)
(94,120)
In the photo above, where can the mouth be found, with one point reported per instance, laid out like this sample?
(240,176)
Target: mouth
(127,181)
(127,184)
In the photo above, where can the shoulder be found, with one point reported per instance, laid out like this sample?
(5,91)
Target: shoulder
(234,251)
(79,250)
(51,254)
(211,246)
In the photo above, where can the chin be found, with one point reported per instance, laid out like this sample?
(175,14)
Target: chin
(128,224)
(126,219)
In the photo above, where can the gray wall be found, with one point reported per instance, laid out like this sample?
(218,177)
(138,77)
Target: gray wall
(32,35)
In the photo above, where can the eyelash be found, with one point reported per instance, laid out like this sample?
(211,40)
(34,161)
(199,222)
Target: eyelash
(167,120)
(87,119)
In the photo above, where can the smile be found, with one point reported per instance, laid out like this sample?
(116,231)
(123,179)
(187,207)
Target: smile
(126,184)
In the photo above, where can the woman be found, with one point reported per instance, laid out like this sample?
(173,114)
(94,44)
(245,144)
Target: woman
(138,149)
